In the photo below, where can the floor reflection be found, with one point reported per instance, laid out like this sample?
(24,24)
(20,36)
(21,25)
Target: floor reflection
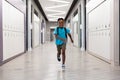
(61,74)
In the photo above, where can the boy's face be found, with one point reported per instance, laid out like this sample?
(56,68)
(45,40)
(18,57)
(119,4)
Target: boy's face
(61,23)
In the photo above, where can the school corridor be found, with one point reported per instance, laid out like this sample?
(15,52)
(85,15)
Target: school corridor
(42,64)
(30,30)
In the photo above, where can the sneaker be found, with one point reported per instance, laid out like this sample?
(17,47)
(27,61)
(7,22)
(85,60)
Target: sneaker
(63,65)
(58,58)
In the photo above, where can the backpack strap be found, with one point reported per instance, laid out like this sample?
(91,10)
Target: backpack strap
(57,31)
(65,32)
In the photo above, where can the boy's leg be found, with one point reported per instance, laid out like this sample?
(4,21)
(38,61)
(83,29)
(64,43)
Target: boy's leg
(58,52)
(63,54)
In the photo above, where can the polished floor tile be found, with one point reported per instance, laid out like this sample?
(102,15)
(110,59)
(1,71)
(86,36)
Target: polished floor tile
(41,64)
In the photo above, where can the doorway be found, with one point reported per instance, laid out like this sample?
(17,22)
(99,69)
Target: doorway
(52,38)
(75,29)
(42,31)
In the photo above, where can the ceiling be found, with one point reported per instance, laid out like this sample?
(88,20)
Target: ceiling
(55,9)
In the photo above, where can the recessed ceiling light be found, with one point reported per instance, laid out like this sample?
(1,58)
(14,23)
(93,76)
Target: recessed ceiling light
(58,6)
(61,1)
(51,10)
(56,14)
(54,19)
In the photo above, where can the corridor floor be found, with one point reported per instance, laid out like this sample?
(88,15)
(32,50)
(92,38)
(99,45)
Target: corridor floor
(41,64)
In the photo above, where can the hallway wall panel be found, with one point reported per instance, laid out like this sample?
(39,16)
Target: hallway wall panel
(13,31)
(36,31)
(99,29)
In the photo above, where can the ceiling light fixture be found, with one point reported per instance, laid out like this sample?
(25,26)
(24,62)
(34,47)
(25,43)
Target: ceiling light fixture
(61,1)
(51,10)
(56,14)
(53,19)
(57,6)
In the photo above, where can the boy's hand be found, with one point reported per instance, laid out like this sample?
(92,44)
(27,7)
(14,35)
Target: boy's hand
(62,39)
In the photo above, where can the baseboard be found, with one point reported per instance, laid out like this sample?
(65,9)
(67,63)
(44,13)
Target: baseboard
(99,57)
(9,59)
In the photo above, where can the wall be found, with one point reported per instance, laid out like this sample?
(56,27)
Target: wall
(103,29)
(75,30)
(48,25)
(115,33)
(13,31)
(1,34)
(42,35)
(19,4)
(81,26)
(12,28)
(71,18)
(36,30)
(99,28)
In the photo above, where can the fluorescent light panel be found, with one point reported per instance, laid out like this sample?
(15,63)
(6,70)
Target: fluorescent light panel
(53,16)
(51,10)
(60,1)
(53,19)
(56,14)
(57,6)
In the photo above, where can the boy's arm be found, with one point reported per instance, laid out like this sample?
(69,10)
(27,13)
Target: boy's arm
(70,37)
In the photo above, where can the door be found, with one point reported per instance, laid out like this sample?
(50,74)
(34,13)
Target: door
(76,34)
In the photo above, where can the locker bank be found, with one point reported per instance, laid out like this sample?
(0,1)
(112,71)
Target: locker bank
(27,40)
